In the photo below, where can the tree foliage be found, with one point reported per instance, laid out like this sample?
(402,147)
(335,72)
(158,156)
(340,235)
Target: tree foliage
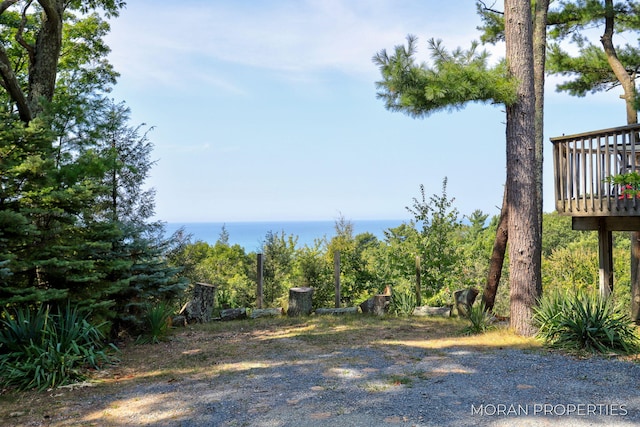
(452,81)
(75,216)
(34,34)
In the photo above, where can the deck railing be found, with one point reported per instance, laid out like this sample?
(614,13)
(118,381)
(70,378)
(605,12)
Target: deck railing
(582,164)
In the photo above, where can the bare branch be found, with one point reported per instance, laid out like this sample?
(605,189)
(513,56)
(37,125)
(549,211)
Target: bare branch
(490,8)
(10,82)
(23,22)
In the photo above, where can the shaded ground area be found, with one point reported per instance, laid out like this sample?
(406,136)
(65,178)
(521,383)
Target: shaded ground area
(341,371)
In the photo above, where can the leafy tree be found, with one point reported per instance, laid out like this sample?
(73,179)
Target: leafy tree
(396,260)
(278,251)
(475,244)
(357,280)
(315,271)
(438,223)
(32,49)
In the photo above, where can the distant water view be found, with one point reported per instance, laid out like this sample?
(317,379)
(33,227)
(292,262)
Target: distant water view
(251,235)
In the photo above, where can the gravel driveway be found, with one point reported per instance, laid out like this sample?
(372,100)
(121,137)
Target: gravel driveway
(376,386)
(368,388)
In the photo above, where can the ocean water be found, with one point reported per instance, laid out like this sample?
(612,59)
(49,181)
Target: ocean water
(251,235)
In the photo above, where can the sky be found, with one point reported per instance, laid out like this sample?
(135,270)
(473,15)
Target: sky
(266,110)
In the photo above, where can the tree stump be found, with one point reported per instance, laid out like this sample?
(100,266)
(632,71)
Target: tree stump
(233,313)
(200,307)
(377,305)
(464,299)
(300,302)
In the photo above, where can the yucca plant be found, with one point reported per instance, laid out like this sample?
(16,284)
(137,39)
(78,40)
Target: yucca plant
(42,350)
(403,302)
(157,318)
(584,321)
(481,320)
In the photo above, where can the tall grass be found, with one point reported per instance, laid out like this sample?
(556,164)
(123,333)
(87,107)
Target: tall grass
(40,349)
(584,321)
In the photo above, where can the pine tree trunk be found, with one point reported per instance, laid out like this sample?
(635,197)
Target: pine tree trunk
(628,84)
(539,60)
(523,231)
(502,236)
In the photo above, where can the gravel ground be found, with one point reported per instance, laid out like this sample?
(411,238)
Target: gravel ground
(318,381)
(372,387)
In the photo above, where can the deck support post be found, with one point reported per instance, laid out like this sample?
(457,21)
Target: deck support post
(635,277)
(605,258)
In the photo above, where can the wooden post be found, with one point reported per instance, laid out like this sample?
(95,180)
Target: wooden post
(336,276)
(418,284)
(605,258)
(260,275)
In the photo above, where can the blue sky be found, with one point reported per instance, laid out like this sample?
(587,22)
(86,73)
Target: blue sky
(267,110)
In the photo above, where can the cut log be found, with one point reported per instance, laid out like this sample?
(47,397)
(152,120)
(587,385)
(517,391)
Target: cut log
(432,311)
(300,301)
(233,313)
(265,312)
(464,299)
(377,305)
(337,311)
(200,307)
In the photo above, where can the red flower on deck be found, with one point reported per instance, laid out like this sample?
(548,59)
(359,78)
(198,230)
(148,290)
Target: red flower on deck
(629,192)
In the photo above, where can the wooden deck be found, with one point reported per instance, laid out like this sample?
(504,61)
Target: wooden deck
(583,162)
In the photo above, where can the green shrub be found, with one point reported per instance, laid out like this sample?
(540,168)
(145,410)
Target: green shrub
(403,302)
(157,322)
(584,321)
(481,320)
(41,350)
(443,298)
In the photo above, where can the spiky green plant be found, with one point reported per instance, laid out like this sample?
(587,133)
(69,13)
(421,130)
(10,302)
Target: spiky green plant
(403,302)
(480,320)
(157,319)
(40,350)
(584,321)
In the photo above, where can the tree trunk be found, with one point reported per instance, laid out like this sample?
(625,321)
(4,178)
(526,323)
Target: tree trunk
(628,85)
(497,257)
(539,59)
(502,235)
(524,232)
(43,67)
(300,302)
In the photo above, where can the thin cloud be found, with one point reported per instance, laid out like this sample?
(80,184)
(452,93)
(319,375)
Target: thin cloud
(291,37)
